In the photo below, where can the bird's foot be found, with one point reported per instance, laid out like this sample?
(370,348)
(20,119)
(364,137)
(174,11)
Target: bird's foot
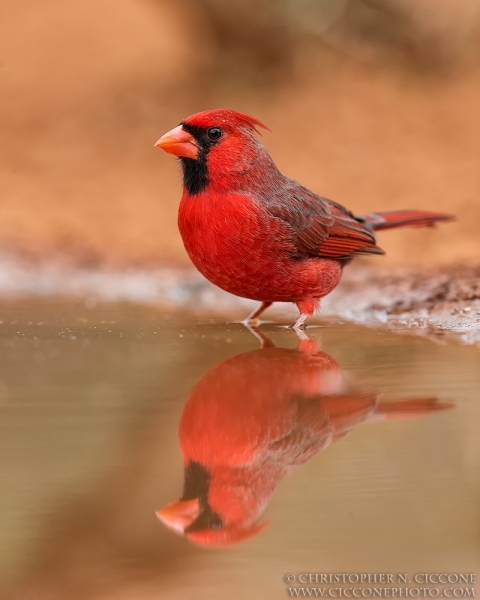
(252,320)
(300,323)
(249,323)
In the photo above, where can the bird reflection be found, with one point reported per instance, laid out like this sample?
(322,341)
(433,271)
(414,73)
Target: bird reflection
(255,418)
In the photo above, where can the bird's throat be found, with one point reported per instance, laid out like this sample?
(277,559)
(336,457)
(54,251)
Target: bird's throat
(195,173)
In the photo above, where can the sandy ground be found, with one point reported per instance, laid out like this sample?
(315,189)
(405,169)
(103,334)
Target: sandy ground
(433,303)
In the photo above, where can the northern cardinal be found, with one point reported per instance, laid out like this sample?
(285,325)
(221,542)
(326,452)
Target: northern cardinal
(253,419)
(256,233)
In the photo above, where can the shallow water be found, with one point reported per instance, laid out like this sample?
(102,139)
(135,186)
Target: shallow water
(91,400)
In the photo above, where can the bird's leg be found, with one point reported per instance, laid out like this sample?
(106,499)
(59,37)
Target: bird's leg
(306,307)
(265,341)
(252,318)
(300,322)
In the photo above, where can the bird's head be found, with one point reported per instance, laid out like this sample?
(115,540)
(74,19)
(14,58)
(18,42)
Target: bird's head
(215,144)
(215,510)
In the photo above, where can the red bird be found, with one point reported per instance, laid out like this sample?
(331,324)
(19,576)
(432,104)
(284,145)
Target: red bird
(256,233)
(255,418)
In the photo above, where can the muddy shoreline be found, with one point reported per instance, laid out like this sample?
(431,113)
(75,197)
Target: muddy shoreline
(434,303)
(437,303)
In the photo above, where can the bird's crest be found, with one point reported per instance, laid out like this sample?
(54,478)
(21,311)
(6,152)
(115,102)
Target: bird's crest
(209,118)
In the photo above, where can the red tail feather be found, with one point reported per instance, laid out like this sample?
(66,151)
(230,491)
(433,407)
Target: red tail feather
(409,409)
(405,218)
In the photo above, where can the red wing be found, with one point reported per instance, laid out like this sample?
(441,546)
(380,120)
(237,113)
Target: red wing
(320,420)
(346,411)
(322,227)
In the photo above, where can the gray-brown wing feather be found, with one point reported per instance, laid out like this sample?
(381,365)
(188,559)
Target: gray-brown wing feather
(321,227)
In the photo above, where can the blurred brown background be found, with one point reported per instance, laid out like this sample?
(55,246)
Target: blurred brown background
(374,103)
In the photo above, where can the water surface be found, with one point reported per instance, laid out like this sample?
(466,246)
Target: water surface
(91,400)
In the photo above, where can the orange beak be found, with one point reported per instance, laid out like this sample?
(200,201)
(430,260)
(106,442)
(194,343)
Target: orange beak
(180,514)
(178,142)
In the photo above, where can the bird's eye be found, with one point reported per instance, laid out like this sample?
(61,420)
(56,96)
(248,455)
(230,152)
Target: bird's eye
(214,133)
(216,523)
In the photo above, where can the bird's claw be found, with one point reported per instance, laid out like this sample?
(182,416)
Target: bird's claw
(251,322)
(300,322)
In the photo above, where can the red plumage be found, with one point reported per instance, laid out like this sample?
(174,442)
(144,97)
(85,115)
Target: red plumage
(252,420)
(256,233)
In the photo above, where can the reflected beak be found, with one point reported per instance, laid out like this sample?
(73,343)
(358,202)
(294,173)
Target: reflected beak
(180,514)
(178,142)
